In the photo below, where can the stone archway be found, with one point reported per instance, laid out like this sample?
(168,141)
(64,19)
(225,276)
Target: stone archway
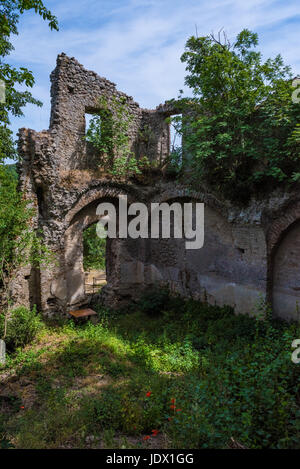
(286,274)
(84,217)
(75,281)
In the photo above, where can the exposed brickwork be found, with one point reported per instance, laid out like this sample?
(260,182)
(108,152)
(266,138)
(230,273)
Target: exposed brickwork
(280,225)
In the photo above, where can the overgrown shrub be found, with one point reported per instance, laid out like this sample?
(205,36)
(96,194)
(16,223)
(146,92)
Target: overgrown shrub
(154,301)
(22,327)
(241,127)
(108,132)
(196,376)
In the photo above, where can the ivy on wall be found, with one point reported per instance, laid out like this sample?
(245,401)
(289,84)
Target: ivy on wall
(109,133)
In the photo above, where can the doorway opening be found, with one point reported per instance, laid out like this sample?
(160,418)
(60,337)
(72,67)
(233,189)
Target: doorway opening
(94,260)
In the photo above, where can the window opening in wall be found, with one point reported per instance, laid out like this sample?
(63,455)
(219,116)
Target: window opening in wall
(176,139)
(88,121)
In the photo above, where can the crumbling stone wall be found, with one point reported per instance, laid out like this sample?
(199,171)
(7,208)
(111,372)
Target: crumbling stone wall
(75,92)
(248,254)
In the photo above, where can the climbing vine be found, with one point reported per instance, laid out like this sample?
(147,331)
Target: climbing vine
(109,133)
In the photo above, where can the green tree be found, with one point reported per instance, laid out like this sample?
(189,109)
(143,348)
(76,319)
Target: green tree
(239,126)
(19,243)
(10,11)
(94,249)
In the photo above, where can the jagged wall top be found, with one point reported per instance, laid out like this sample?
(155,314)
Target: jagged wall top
(75,92)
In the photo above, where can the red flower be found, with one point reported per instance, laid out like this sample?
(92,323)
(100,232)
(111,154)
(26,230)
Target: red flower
(178,410)
(155,432)
(147,437)
(173,400)
(22,407)
(172,406)
(170,419)
(148,394)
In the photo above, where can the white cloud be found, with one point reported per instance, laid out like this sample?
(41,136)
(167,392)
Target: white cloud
(138,43)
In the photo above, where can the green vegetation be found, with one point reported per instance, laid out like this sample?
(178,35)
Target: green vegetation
(241,127)
(167,372)
(94,250)
(108,132)
(19,244)
(22,327)
(13,170)
(192,376)
(10,11)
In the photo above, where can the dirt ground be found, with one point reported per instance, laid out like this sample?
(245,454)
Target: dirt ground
(94,280)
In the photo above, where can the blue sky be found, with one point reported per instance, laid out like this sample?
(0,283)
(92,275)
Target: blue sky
(137,43)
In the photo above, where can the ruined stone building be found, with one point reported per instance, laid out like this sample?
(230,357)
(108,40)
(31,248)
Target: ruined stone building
(247,254)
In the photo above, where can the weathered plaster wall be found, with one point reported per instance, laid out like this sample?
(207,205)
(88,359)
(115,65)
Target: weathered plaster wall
(229,269)
(248,254)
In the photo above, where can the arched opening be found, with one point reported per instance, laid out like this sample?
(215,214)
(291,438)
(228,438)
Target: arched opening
(94,260)
(89,260)
(286,274)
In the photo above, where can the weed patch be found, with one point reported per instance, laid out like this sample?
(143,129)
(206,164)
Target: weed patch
(190,376)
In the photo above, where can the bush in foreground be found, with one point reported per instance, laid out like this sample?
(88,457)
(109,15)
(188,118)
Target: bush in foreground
(22,327)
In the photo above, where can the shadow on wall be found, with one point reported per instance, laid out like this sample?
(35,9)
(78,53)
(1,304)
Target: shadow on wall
(286,274)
